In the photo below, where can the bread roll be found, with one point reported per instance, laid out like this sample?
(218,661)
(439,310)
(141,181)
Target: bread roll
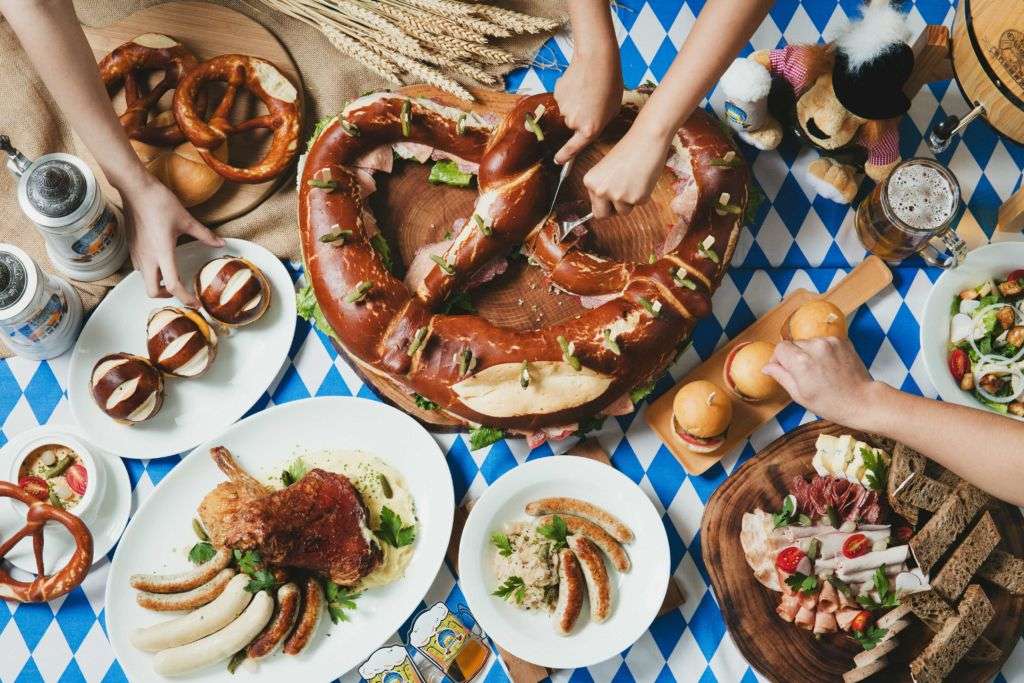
(181,168)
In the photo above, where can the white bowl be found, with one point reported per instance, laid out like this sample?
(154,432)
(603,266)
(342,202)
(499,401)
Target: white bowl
(94,487)
(984,263)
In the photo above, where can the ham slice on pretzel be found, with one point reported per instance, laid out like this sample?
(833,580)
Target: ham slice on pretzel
(477,371)
(43,587)
(263,80)
(128,65)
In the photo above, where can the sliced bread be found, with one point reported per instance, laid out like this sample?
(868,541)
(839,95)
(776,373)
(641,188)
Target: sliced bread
(894,615)
(864,672)
(933,611)
(948,478)
(1004,570)
(921,491)
(905,463)
(955,638)
(961,566)
(948,522)
(866,657)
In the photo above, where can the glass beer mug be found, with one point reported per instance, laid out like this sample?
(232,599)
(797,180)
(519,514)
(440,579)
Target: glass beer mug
(440,636)
(914,205)
(391,664)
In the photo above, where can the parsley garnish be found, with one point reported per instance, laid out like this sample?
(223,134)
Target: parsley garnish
(262,580)
(802,583)
(876,469)
(424,403)
(391,530)
(869,637)
(840,586)
(201,553)
(513,586)
(295,471)
(248,561)
(556,531)
(339,599)
(784,517)
(501,542)
(484,436)
(887,597)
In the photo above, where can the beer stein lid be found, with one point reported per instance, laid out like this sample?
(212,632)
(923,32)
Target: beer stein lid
(18,281)
(56,188)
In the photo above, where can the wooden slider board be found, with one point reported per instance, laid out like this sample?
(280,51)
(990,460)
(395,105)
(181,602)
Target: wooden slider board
(869,278)
(520,670)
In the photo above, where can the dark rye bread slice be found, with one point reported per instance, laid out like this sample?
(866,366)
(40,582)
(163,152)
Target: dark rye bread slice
(934,612)
(961,566)
(923,492)
(947,477)
(954,639)
(1004,570)
(906,462)
(948,522)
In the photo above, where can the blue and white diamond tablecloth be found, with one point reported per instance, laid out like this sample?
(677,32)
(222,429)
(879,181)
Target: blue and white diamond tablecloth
(797,240)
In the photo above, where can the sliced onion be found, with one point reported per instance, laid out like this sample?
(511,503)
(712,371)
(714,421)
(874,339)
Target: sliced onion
(1016,383)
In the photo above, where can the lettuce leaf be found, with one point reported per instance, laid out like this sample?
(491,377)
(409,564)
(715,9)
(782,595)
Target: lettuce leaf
(308,309)
(446,172)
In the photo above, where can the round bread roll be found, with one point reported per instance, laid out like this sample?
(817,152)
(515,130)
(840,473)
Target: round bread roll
(127,388)
(817,319)
(232,290)
(701,413)
(181,168)
(180,341)
(742,372)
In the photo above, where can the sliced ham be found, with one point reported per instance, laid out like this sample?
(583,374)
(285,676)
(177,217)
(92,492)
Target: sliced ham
(421,263)
(535,439)
(805,618)
(846,602)
(788,607)
(825,622)
(487,272)
(413,150)
(683,205)
(872,560)
(809,600)
(462,164)
(369,223)
(828,598)
(367,185)
(377,159)
(623,405)
(845,617)
(561,432)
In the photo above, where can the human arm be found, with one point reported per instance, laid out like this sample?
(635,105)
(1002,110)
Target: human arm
(589,93)
(628,173)
(51,36)
(827,377)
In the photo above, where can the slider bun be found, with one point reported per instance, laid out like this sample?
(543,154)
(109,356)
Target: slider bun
(181,169)
(817,319)
(743,374)
(702,408)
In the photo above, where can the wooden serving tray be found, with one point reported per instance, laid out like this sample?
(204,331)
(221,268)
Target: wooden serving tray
(207,30)
(870,277)
(781,651)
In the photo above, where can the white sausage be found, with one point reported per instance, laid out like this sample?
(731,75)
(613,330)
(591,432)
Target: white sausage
(197,597)
(184,581)
(599,589)
(191,627)
(220,645)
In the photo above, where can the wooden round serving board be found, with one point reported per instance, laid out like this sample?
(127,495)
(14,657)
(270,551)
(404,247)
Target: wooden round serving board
(208,31)
(781,651)
(988,60)
(413,213)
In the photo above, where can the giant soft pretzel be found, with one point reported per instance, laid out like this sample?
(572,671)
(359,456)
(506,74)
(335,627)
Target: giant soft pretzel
(476,371)
(44,588)
(264,81)
(128,64)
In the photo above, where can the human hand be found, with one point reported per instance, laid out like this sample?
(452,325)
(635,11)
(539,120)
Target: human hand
(154,220)
(824,375)
(626,176)
(589,95)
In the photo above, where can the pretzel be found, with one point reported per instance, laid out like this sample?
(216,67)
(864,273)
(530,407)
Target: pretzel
(262,79)
(44,588)
(468,366)
(127,64)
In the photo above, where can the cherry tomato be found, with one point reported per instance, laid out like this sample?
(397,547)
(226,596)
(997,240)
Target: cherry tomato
(856,545)
(903,533)
(77,478)
(35,487)
(789,558)
(1016,276)
(959,363)
(861,621)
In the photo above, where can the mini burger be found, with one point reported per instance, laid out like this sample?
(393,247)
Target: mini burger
(701,413)
(817,319)
(742,373)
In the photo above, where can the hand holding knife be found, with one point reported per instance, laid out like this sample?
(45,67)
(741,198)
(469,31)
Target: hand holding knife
(565,227)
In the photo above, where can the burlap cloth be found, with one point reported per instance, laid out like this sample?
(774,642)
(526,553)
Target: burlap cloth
(37,126)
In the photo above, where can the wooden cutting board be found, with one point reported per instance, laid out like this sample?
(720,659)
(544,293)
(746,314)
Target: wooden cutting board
(869,278)
(413,213)
(207,30)
(781,651)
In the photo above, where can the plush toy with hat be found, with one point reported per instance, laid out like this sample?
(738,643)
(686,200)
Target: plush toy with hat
(844,98)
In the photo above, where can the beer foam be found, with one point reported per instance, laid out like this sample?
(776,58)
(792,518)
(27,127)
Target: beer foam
(384,659)
(920,196)
(426,625)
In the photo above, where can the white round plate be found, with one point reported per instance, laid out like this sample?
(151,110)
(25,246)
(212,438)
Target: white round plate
(637,594)
(194,409)
(105,520)
(160,533)
(992,260)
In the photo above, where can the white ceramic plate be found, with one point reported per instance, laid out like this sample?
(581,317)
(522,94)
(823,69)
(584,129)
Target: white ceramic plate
(105,519)
(637,595)
(194,409)
(160,533)
(992,260)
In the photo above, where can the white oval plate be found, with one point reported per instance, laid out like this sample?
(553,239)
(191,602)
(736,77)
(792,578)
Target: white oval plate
(992,260)
(637,595)
(160,534)
(195,409)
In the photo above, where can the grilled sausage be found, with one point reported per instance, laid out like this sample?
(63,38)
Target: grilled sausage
(277,629)
(599,588)
(601,538)
(176,583)
(570,592)
(197,597)
(312,599)
(202,622)
(581,508)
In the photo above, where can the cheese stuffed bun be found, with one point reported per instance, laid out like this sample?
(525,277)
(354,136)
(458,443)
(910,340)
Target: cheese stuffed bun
(742,372)
(817,319)
(701,413)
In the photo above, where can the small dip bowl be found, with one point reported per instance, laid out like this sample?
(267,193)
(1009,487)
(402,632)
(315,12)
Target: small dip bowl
(95,482)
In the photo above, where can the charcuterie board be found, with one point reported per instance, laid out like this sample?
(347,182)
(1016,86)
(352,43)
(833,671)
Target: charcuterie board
(863,282)
(412,213)
(207,30)
(782,652)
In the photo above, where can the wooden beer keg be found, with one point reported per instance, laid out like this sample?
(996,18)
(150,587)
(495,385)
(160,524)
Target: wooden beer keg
(987,46)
